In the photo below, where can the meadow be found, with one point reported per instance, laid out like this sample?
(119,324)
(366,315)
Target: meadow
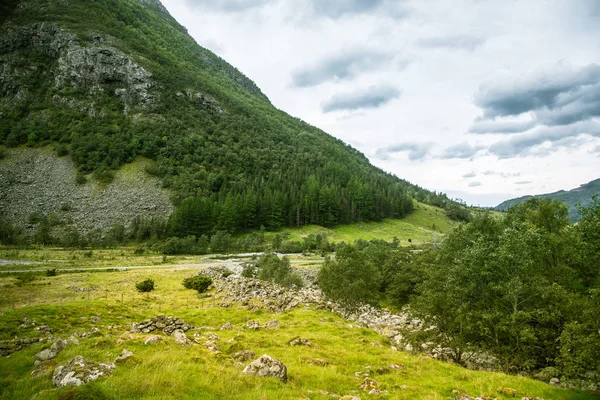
(111,304)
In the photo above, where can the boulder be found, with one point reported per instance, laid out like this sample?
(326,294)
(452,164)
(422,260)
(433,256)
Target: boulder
(300,342)
(226,326)
(253,325)
(369,384)
(153,339)
(267,367)
(180,337)
(48,354)
(212,346)
(78,371)
(125,354)
(273,324)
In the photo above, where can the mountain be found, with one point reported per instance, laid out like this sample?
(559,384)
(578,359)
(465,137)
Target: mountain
(579,196)
(106,83)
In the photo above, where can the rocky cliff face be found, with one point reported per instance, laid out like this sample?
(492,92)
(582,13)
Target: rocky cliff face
(93,70)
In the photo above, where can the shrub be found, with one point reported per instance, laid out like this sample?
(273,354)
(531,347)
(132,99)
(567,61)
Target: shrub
(227,273)
(25,278)
(220,242)
(139,251)
(145,286)
(250,270)
(278,270)
(51,272)
(80,179)
(62,150)
(199,282)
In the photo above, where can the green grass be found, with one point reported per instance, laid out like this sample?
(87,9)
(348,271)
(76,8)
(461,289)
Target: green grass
(167,370)
(420,226)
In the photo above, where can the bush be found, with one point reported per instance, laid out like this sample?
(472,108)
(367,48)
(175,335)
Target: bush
(227,273)
(51,272)
(145,286)
(139,251)
(62,150)
(80,179)
(350,279)
(278,270)
(250,270)
(187,245)
(220,242)
(199,283)
(25,278)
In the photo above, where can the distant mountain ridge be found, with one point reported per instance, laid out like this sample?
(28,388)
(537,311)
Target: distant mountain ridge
(578,196)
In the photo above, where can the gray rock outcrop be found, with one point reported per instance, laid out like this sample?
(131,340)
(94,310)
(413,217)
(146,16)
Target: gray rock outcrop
(267,367)
(7,347)
(153,339)
(79,371)
(50,353)
(180,337)
(166,324)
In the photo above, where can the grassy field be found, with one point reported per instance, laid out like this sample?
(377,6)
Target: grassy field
(422,225)
(167,370)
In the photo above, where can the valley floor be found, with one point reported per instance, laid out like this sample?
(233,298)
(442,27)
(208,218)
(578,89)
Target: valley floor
(99,309)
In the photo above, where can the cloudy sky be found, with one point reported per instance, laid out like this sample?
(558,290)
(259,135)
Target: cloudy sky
(484,100)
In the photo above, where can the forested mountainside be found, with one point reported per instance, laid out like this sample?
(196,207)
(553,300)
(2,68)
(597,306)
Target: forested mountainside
(581,196)
(107,81)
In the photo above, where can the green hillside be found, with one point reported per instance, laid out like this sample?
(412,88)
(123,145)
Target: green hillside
(106,81)
(422,225)
(581,196)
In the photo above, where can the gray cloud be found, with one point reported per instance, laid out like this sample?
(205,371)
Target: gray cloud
(483,126)
(461,42)
(554,136)
(502,174)
(227,5)
(416,151)
(461,150)
(563,104)
(337,8)
(343,66)
(474,184)
(373,97)
(522,182)
(563,90)
(470,175)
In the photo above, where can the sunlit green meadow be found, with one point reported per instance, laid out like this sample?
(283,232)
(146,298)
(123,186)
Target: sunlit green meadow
(168,370)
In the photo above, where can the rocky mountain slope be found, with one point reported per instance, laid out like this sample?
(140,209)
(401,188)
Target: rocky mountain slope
(38,182)
(579,196)
(106,81)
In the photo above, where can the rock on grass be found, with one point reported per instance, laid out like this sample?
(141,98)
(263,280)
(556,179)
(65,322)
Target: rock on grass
(78,371)
(267,367)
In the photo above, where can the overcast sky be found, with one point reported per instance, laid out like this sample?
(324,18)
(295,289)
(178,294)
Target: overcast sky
(482,99)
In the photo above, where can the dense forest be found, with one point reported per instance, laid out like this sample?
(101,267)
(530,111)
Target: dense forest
(231,159)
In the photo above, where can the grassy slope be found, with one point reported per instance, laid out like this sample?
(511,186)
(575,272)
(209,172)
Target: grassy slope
(417,226)
(167,370)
